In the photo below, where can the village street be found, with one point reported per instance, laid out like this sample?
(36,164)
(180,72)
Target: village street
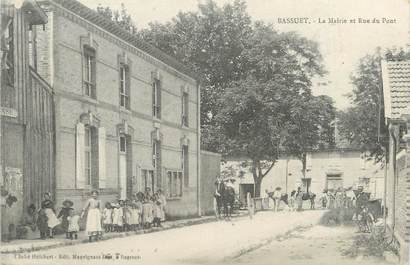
(269,238)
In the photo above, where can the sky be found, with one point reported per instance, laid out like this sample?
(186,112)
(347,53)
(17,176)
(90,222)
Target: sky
(342,44)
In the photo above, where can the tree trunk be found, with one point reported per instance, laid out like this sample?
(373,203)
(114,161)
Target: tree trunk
(303,158)
(257,179)
(258,184)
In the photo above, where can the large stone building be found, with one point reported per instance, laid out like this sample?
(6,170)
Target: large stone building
(126,113)
(396,89)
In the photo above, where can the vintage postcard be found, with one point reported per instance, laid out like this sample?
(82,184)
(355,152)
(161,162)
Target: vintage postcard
(205,132)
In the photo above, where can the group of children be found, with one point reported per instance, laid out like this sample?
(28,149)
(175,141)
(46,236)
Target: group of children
(130,215)
(69,223)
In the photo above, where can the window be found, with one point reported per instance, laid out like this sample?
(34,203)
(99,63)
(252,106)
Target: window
(185,164)
(174,184)
(123,144)
(32,47)
(89,72)
(7,48)
(156,98)
(334,182)
(155,153)
(90,157)
(148,180)
(185,106)
(124,87)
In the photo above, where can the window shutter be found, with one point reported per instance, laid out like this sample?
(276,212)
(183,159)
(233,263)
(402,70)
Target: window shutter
(128,87)
(80,179)
(153,93)
(158,165)
(94,76)
(159,98)
(101,158)
(186,98)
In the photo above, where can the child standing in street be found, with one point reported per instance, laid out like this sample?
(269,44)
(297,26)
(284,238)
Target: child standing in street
(127,216)
(157,211)
(42,223)
(135,216)
(147,212)
(117,217)
(64,214)
(73,226)
(107,217)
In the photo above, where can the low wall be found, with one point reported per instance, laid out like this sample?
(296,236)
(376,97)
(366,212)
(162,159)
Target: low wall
(210,168)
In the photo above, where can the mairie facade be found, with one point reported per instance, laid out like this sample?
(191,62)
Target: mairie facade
(126,114)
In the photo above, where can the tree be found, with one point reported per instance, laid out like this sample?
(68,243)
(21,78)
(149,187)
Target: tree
(211,42)
(258,113)
(363,123)
(310,127)
(121,18)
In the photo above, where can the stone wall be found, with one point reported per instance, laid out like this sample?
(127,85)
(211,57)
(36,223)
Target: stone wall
(210,168)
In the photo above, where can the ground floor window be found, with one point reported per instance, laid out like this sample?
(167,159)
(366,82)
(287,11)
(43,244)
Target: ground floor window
(148,180)
(174,183)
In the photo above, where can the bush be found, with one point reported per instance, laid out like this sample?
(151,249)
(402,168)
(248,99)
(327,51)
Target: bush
(337,217)
(374,244)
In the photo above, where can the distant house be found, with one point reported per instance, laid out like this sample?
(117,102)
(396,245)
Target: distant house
(326,169)
(396,90)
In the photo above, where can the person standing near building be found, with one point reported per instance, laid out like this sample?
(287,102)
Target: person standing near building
(218,197)
(299,199)
(93,225)
(324,199)
(48,205)
(361,200)
(276,199)
(163,200)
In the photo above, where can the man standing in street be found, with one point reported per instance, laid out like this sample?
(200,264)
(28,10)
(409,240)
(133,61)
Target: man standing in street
(361,200)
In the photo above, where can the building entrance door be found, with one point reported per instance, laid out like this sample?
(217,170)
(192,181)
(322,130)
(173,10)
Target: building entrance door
(123,176)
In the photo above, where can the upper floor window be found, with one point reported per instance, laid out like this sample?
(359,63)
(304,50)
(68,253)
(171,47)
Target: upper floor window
(124,87)
(89,65)
(32,47)
(156,98)
(185,106)
(155,152)
(123,144)
(7,47)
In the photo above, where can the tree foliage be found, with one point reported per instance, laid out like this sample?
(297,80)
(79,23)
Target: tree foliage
(256,96)
(363,123)
(121,17)
(270,110)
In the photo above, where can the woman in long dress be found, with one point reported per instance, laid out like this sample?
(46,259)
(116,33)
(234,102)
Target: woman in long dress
(93,225)
(48,206)
(163,201)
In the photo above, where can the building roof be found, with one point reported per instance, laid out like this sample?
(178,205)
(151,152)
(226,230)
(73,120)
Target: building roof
(93,17)
(396,88)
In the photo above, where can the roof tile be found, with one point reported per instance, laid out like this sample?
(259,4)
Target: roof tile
(396,88)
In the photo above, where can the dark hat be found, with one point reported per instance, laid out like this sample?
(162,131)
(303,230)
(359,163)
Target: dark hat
(48,204)
(68,203)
